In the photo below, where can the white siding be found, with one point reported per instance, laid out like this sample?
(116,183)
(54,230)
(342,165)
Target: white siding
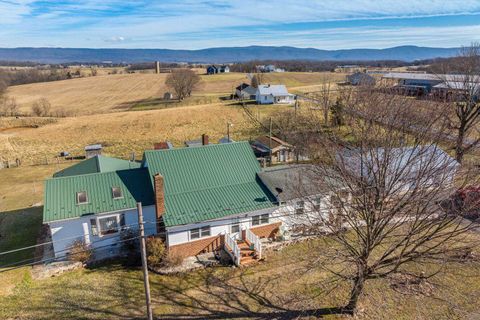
(269,99)
(286,212)
(264,99)
(66,231)
(181,234)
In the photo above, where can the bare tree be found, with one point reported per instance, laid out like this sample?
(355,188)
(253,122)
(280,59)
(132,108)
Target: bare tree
(325,96)
(382,186)
(257,80)
(464,86)
(8,106)
(299,128)
(41,108)
(183,82)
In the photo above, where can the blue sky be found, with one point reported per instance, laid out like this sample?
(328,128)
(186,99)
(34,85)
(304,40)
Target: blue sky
(189,24)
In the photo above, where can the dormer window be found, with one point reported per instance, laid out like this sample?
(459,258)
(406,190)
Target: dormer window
(117,193)
(82,197)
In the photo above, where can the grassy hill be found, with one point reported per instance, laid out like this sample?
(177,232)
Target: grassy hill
(120,92)
(122,133)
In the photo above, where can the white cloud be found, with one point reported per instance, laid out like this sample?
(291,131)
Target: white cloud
(115,39)
(197,24)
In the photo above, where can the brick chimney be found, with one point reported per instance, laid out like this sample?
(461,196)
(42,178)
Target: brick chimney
(159,199)
(160,145)
(204,139)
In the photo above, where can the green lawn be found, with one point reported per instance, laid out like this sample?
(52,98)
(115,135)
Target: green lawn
(279,288)
(19,228)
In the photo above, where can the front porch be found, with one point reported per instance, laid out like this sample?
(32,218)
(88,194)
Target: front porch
(244,248)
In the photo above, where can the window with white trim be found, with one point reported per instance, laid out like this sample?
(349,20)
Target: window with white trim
(82,197)
(198,233)
(117,193)
(108,225)
(300,207)
(98,226)
(235,227)
(261,219)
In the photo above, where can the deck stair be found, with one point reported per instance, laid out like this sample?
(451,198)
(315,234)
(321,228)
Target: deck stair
(247,253)
(244,251)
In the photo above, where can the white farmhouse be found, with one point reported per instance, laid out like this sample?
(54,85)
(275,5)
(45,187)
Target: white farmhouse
(273,93)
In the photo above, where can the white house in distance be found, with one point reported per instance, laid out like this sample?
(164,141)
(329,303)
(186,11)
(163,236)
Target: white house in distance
(273,94)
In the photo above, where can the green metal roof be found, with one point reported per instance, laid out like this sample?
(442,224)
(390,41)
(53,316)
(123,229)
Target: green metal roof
(208,182)
(97,164)
(60,193)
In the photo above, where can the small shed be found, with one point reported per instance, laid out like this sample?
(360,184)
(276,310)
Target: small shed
(245,92)
(93,150)
(168,96)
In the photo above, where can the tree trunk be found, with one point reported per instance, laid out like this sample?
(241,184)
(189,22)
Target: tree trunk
(459,150)
(358,285)
(326,109)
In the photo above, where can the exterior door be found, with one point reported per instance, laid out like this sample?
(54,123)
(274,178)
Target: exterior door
(235,230)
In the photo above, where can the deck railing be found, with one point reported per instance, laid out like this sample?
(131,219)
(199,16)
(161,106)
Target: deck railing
(232,249)
(255,240)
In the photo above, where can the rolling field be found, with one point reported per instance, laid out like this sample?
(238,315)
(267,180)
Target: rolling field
(108,93)
(122,133)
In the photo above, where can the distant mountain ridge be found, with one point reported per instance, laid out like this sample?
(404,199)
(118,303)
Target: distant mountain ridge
(220,55)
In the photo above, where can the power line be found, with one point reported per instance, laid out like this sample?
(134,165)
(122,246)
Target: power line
(157,234)
(55,258)
(59,240)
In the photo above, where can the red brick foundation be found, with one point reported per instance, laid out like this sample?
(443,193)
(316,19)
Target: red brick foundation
(193,248)
(211,244)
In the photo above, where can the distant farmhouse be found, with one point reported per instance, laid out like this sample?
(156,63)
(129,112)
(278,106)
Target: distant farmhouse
(273,93)
(444,86)
(213,69)
(269,68)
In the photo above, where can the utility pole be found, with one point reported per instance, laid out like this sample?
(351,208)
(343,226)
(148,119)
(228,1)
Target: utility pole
(228,131)
(144,261)
(270,141)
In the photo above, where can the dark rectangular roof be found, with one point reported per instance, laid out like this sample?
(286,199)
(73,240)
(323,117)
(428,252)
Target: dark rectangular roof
(289,182)
(97,164)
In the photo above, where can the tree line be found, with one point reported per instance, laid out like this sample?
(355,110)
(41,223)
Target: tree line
(32,75)
(311,66)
